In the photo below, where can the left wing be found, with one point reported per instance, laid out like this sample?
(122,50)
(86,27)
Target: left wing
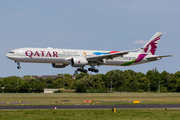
(110,56)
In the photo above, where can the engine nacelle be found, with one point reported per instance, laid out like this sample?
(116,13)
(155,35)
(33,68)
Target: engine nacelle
(78,62)
(58,65)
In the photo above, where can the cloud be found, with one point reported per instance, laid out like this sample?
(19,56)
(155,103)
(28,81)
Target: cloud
(164,32)
(140,42)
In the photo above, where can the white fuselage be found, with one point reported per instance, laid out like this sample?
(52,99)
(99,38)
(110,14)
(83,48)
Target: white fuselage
(63,56)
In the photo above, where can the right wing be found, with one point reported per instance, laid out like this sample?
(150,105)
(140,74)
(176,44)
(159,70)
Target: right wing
(110,56)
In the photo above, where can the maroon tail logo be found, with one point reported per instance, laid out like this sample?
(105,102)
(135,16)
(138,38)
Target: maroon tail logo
(153,46)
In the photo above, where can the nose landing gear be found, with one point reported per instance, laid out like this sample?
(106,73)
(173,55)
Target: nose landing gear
(18,63)
(18,67)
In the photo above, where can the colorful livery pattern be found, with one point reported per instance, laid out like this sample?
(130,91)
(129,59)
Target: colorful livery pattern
(138,59)
(104,53)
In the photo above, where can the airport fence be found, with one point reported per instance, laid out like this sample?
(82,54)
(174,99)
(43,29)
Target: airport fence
(117,94)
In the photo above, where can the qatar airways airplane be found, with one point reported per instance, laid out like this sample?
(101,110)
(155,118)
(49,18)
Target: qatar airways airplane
(60,58)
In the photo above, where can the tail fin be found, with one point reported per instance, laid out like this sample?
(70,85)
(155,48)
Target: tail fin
(151,45)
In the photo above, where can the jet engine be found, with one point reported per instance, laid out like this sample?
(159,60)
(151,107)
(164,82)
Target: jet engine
(78,62)
(58,65)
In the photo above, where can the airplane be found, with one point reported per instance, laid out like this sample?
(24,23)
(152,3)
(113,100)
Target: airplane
(60,58)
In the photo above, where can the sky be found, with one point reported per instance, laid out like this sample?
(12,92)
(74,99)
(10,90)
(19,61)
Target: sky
(91,25)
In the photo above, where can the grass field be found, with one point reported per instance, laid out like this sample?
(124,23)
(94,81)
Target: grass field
(101,98)
(121,114)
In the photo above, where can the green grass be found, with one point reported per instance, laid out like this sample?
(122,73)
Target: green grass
(103,98)
(71,99)
(117,94)
(79,100)
(121,114)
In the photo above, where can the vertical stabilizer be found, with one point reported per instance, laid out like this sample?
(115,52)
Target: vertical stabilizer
(151,45)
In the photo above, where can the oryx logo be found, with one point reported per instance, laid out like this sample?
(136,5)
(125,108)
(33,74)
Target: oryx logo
(79,61)
(84,54)
(152,46)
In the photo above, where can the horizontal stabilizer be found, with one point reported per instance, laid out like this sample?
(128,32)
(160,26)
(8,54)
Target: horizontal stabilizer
(154,57)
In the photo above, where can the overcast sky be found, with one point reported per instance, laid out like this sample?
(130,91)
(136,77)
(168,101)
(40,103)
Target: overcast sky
(88,24)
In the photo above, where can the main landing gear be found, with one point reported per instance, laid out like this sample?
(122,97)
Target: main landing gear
(18,63)
(93,70)
(82,70)
(89,69)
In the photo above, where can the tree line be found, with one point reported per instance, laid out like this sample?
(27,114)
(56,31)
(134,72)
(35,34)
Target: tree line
(114,80)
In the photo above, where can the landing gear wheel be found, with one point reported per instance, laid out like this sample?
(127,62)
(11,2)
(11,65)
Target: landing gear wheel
(85,71)
(82,70)
(18,67)
(93,70)
(96,71)
(89,69)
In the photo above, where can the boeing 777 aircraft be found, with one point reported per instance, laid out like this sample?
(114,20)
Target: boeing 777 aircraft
(60,58)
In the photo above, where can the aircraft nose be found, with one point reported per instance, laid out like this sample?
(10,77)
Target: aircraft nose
(7,55)
(11,55)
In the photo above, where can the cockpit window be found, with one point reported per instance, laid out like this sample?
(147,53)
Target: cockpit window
(11,52)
